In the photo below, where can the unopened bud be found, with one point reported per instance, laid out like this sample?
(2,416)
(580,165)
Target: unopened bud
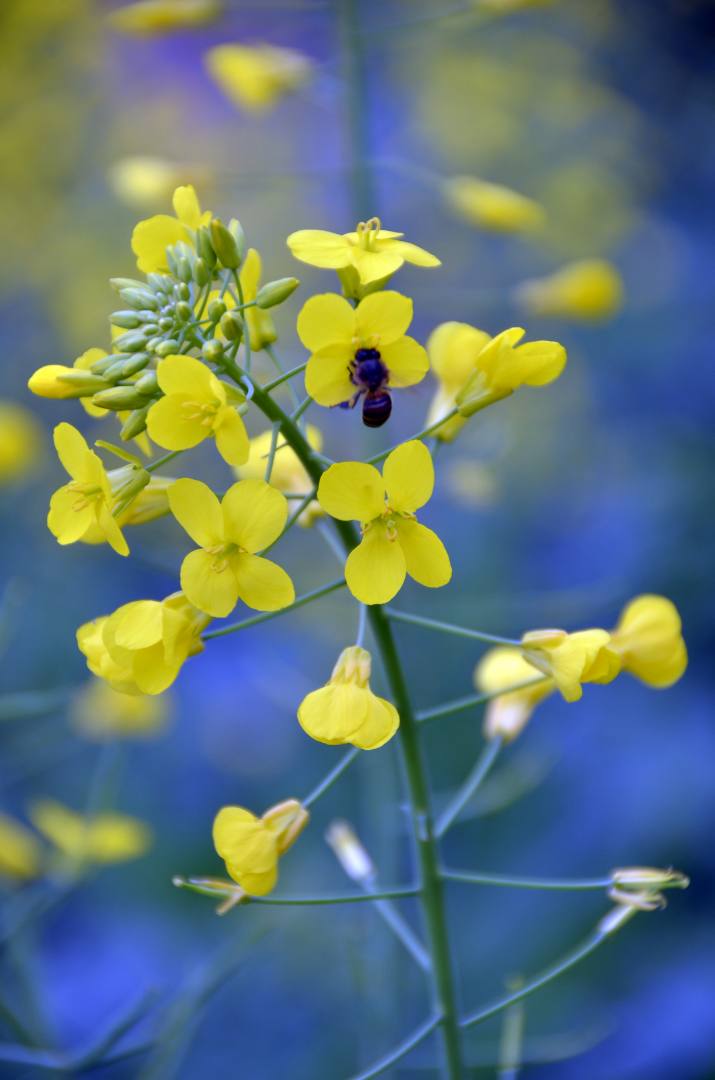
(182,291)
(132,341)
(166,323)
(138,298)
(205,247)
(167,347)
(59,382)
(212,351)
(275,292)
(232,326)
(202,275)
(225,245)
(183,311)
(183,269)
(136,364)
(157,282)
(147,384)
(134,424)
(119,398)
(128,320)
(215,310)
(120,283)
(349,852)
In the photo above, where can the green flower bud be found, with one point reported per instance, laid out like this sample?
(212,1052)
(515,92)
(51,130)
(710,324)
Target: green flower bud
(183,269)
(128,320)
(100,366)
(167,347)
(215,310)
(232,326)
(147,384)
(157,282)
(225,245)
(275,292)
(202,275)
(183,291)
(151,328)
(82,383)
(205,247)
(236,229)
(133,341)
(183,311)
(171,260)
(137,363)
(119,283)
(166,323)
(119,398)
(154,342)
(139,298)
(212,351)
(134,424)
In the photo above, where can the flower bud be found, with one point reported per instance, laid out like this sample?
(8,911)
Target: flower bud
(119,398)
(225,245)
(138,298)
(135,364)
(58,382)
(183,311)
(166,323)
(132,341)
(350,853)
(167,348)
(275,292)
(157,282)
(120,283)
(147,384)
(232,326)
(201,272)
(182,291)
(101,366)
(134,424)
(128,320)
(204,247)
(216,310)
(184,270)
(212,352)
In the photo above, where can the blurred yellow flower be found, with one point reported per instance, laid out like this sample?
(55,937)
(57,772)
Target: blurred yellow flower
(141,647)
(393,543)
(251,846)
(195,406)
(225,568)
(20,852)
(360,352)
(20,441)
(491,206)
(98,711)
(571,659)
(507,7)
(648,639)
(145,17)
(503,366)
(102,839)
(472,483)
(144,181)
(371,252)
(256,77)
(154,235)
(587,290)
(261,328)
(288,473)
(498,670)
(85,504)
(345,710)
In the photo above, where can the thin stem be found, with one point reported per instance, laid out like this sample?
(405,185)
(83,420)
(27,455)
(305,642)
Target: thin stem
(264,616)
(152,466)
(272,453)
(512,1040)
(461,704)
(418,1035)
(356,81)
(270,386)
(420,435)
(481,767)
(244,322)
(362,624)
(335,773)
(449,628)
(466,877)
(305,404)
(402,931)
(221,890)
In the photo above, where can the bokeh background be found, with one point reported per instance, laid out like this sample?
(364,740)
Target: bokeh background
(557,507)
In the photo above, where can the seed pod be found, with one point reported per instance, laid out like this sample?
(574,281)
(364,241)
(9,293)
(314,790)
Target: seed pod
(215,310)
(119,398)
(167,347)
(128,320)
(225,246)
(139,298)
(232,326)
(275,292)
(133,341)
(212,351)
(147,384)
(134,424)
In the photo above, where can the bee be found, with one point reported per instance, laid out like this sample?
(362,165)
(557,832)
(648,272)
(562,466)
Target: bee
(376,408)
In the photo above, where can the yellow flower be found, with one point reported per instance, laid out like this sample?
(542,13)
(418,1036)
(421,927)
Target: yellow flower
(588,290)
(345,710)
(360,352)
(84,506)
(491,206)
(498,670)
(20,441)
(453,348)
(59,382)
(372,253)
(20,853)
(195,406)
(141,647)
(255,77)
(571,659)
(154,235)
(288,474)
(225,568)
(649,641)
(393,542)
(146,17)
(98,711)
(261,328)
(503,366)
(102,839)
(151,503)
(251,846)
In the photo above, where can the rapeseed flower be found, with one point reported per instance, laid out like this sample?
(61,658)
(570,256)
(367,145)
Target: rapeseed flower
(288,473)
(141,647)
(154,235)
(588,290)
(146,17)
(20,441)
(393,542)
(256,77)
(251,846)
(98,711)
(649,641)
(503,366)
(508,713)
(452,348)
(101,839)
(20,852)
(571,659)
(225,568)
(360,352)
(369,255)
(60,382)
(345,710)
(196,405)
(491,206)
(261,328)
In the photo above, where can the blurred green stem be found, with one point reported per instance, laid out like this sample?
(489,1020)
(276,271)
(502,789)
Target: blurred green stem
(363,198)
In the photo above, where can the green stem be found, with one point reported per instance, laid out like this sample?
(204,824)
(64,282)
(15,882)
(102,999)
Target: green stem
(221,890)
(449,628)
(355,76)
(254,620)
(152,466)
(468,702)
(335,773)
(466,877)
(481,767)
(285,376)
(401,1051)
(420,435)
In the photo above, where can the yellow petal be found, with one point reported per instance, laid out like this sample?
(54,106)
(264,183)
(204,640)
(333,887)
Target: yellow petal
(72,450)
(375,265)
(426,556)
(65,521)
(111,531)
(411,253)
(256,883)
(319,248)
(380,724)
(262,584)
(136,625)
(254,514)
(327,376)
(406,362)
(152,237)
(231,436)
(649,639)
(375,570)
(386,315)
(198,511)
(186,206)
(539,362)
(241,838)
(327,319)
(334,713)
(453,348)
(173,423)
(209,583)
(250,274)
(409,476)
(178,374)
(352,491)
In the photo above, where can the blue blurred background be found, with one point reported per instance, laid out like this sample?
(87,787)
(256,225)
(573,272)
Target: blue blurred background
(583,496)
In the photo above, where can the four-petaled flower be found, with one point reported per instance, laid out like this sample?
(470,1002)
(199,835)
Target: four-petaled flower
(141,647)
(195,406)
(83,508)
(360,352)
(366,257)
(571,659)
(393,543)
(154,235)
(226,568)
(345,710)
(503,366)
(251,846)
